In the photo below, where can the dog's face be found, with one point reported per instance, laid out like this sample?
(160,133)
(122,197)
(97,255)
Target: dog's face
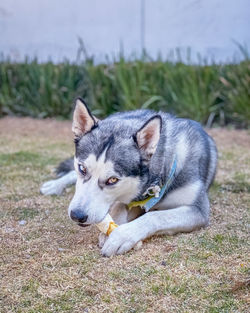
(109,167)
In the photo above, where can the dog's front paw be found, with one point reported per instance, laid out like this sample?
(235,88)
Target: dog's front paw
(101,240)
(121,240)
(52,187)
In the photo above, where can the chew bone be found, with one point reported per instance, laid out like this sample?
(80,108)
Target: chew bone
(107,225)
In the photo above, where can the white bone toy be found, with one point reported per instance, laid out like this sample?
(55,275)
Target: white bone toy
(107,225)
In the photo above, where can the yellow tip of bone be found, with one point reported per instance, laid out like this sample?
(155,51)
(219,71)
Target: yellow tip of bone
(112,226)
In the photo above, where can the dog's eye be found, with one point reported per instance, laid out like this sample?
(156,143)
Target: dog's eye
(82,169)
(112,181)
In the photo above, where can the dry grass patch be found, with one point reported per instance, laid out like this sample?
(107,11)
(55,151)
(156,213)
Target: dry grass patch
(48,264)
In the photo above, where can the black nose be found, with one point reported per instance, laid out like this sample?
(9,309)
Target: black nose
(78,216)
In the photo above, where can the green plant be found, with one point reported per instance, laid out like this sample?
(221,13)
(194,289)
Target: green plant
(206,93)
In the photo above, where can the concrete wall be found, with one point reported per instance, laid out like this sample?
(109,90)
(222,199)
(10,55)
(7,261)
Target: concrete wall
(49,28)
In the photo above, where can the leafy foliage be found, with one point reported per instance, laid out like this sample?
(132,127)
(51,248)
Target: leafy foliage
(207,93)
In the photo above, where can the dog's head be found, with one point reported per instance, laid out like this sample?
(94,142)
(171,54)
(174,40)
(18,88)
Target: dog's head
(111,161)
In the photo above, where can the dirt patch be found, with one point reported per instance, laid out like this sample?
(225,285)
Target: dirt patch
(229,138)
(26,126)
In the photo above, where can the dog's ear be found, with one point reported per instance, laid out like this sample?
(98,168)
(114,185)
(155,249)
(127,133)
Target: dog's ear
(83,120)
(147,137)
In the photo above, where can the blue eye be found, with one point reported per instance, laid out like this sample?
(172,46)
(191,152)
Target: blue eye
(82,169)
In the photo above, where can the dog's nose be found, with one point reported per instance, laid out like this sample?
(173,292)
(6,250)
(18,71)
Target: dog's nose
(78,216)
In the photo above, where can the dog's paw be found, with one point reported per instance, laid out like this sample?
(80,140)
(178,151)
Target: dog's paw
(52,187)
(101,240)
(120,241)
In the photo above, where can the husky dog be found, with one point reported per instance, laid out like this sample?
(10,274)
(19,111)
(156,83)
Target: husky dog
(119,159)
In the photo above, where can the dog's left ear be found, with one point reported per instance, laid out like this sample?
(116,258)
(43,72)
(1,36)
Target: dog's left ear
(147,137)
(83,120)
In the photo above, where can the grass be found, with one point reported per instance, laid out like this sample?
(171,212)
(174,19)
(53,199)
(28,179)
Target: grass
(49,264)
(215,93)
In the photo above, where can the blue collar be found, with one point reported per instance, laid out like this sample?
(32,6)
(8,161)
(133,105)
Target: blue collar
(151,201)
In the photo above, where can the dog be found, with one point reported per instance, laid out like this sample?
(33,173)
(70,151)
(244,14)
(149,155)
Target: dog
(138,157)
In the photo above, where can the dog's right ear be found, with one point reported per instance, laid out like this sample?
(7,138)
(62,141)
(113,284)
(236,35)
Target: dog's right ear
(83,120)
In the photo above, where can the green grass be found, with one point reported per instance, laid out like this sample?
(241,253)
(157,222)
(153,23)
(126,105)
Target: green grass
(216,93)
(24,158)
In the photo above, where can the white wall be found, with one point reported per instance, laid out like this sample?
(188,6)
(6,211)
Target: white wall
(49,28)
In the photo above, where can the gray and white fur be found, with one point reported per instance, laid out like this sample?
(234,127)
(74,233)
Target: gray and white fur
(118,158)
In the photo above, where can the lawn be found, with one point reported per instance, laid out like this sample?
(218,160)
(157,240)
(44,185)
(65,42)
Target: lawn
(48,264)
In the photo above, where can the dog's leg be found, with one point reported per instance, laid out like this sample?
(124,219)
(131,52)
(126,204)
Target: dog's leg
(181,219)
(119,213)
(56,186)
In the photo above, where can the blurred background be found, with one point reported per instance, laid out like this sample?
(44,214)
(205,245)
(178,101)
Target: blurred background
(187,57)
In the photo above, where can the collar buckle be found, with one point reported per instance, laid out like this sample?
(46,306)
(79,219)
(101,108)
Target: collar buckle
(153,191)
